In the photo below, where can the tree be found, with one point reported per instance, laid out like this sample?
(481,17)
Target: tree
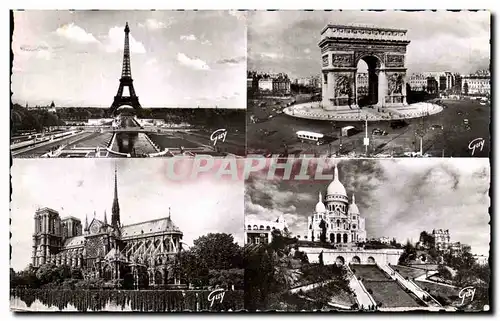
(227,278)
(408,254)
(427,239)
(322,236)
(259,277)
(444,272)
(76,273)
(466,88)
(192,270)
(218,251)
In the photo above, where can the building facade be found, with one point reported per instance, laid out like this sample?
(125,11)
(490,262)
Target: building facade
(362,84)
(143,253)
(311,82)
(481,259)
(343,222)
(266,84)
(432,82)
(477,84)
(261,231)
(441,239)
(418,82)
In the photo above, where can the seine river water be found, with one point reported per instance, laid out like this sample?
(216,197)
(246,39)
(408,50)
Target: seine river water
(18,305)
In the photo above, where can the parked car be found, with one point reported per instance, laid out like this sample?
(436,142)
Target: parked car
(378,131)
(437,127)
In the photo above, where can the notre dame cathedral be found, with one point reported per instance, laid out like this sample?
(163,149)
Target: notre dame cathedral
(143,254)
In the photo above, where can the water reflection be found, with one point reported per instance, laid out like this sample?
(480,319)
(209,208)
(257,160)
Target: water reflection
(126,142)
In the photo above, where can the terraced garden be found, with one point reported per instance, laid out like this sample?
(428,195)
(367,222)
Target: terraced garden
(384,290)
(408,272)
(390,294)
(369,272)
(446,295)
(335,294)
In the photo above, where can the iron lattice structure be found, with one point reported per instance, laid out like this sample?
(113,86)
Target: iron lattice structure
(126,80)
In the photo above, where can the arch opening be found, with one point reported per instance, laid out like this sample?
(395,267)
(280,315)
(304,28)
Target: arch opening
(356,260)
(367,80)
(339,260)
(158,278)
(371,260)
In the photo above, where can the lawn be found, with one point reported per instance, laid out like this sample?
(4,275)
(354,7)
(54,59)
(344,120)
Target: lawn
(335,294)
(369,272)
(390,294)
(408,272)
(446,295)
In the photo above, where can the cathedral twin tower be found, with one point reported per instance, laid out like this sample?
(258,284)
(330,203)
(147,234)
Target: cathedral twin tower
(54,235)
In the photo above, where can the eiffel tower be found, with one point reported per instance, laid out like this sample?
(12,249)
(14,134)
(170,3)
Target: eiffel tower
(126,81)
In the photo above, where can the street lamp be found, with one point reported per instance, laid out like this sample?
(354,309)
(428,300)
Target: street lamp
(366,140)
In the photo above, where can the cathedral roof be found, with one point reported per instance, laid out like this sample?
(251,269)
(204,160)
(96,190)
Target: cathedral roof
(115,255)
(336,187)
(154,226)
(74,241)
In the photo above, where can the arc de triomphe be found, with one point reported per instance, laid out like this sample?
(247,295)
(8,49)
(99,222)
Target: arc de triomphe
(382,49)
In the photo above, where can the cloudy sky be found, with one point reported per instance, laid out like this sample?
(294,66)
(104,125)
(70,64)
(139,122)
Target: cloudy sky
(198,206)
(287,41)
(177,58)
(398,198)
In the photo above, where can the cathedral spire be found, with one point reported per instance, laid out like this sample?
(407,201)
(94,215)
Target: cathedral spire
(169,212)
(115,210)
(336,177)
(353,198)
(86,223)
(105,217)
(320,197)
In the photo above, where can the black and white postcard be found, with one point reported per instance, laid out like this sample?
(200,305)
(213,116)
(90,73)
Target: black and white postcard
(369,83)
(128,83)
(251,160)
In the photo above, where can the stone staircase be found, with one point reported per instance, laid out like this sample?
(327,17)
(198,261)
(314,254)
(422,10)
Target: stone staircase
(363,298)
(410,285)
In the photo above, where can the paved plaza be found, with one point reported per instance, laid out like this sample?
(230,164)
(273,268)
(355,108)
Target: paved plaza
(122,143)
(314,110)
(461,121)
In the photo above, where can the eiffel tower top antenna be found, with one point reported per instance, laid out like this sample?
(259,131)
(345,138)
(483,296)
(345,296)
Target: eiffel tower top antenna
(126,70)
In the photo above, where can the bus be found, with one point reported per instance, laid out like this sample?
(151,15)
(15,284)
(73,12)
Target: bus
(311,136)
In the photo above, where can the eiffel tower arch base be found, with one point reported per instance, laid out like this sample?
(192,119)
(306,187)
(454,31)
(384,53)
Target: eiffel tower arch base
(119,101)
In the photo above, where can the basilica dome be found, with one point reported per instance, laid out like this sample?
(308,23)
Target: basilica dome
(353,208)
(320,207)
(336,187)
